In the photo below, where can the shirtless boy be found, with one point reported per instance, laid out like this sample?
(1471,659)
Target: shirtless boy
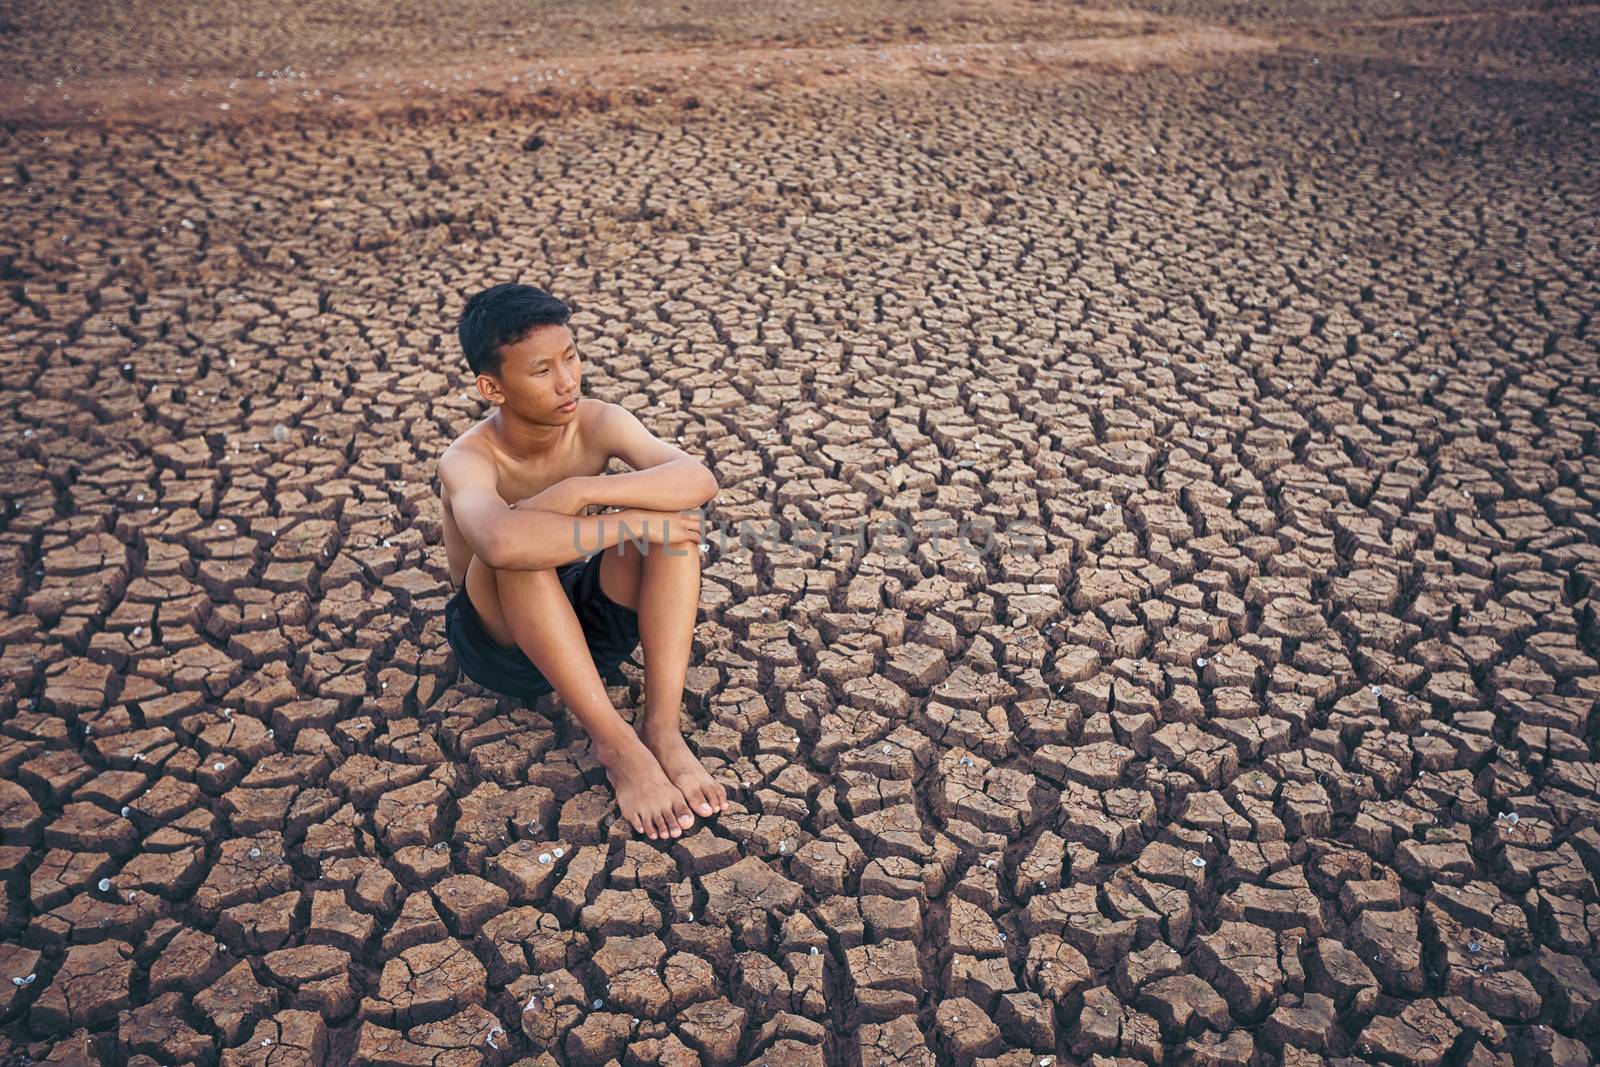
(547,598)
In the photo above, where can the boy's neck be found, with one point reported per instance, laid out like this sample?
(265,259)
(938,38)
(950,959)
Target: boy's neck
(523,439)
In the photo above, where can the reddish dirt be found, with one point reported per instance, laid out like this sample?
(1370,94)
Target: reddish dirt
(673,77)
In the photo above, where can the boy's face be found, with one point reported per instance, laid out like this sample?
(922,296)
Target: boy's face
(539,375)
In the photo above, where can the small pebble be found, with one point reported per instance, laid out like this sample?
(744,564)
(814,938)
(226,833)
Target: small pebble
(1197,862)
(105,885)
(219,766)
(557,852)
(544,857)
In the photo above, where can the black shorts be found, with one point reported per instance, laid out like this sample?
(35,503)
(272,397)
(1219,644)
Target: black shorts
(612,631)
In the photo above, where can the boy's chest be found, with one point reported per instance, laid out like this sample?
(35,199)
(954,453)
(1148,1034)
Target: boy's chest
(519,484)
(519,479)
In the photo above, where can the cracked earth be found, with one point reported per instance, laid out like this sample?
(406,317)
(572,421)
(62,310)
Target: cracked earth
(1255,723)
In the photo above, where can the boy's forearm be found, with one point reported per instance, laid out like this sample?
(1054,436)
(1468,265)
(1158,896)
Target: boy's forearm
(680,485)
(543,540)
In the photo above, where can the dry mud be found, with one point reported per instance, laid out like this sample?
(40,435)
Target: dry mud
(1263,731)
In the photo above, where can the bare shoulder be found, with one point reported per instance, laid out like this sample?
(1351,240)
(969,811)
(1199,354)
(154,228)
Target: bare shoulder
(592,412)
(466,455)
(596,420)
(618,432)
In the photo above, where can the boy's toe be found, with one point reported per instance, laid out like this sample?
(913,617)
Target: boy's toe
(681,813)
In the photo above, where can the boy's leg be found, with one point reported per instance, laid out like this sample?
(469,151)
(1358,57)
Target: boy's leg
(669,600)
(536,610)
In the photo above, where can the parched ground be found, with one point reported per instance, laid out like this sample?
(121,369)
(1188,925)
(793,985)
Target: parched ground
(1263,730)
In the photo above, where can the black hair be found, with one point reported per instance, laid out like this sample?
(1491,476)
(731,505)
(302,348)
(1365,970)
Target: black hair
(503,315)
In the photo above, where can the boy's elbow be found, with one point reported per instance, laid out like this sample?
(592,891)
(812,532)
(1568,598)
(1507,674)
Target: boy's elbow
(491,553)
(708,485)
(519,545)
(493,545)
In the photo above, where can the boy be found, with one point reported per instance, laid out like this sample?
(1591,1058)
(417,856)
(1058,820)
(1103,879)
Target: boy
(533,612)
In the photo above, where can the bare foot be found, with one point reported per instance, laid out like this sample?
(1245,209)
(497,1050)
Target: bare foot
(684,768)
(647,797)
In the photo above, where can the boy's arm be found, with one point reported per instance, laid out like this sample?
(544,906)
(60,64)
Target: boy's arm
(533,539)
(664,477)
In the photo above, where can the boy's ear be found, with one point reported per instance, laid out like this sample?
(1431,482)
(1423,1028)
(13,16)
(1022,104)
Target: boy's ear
(490,389)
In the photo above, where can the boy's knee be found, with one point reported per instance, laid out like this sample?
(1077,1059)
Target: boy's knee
(477,567)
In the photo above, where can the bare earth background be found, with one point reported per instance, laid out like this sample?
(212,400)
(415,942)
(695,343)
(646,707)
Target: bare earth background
(1270,325)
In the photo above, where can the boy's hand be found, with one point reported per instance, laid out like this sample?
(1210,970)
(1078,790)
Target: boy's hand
(566,497)
(666,527)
